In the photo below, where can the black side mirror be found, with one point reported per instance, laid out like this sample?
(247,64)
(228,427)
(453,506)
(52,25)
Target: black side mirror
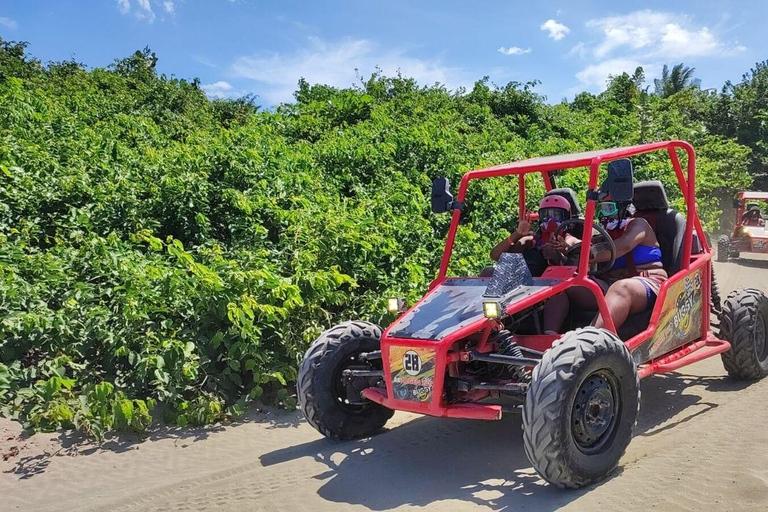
(736,204)
(620,181)
(441,195)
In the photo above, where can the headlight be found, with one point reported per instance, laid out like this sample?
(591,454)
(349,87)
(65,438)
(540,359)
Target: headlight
(395,304)
(492,309)
(742,231)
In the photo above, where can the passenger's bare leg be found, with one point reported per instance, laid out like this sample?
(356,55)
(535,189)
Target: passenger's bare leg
(558,307)
(555,311)
(624,297)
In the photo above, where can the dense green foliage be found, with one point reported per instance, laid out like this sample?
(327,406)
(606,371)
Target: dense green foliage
(157,247)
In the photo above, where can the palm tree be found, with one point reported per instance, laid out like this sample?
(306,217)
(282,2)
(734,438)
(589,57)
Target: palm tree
(671,82)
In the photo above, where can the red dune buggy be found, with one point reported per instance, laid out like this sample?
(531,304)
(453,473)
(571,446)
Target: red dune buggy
(750,234)
(473,347)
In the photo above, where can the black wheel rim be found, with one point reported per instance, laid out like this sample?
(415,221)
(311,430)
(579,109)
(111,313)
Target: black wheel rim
(340,386)
(759,341)
(595,413)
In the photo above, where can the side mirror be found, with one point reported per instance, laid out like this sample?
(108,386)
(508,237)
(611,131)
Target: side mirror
(620,181)
(736,204)
(441,195)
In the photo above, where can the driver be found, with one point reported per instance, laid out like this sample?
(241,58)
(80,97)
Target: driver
(752,216)
(539,248)
(633,282)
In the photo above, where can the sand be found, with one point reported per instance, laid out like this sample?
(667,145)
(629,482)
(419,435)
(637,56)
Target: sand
(701,443)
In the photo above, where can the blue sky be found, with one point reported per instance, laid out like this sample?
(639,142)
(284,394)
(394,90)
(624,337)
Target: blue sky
(263,47)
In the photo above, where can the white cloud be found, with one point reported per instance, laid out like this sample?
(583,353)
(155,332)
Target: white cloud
(579,50)
(144,12)
(8,22)
(513,50)
(645,38)
(658,34)
(220,89)
(556,30)
(336,64)
(169,7)
(595,76)
(205,61)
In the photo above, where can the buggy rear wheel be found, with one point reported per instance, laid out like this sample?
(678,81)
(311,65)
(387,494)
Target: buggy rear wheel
(322,394)
(581,408)
(723,247)
(744,323)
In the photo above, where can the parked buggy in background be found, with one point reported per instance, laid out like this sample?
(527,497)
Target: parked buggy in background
(472,341)
(750,233)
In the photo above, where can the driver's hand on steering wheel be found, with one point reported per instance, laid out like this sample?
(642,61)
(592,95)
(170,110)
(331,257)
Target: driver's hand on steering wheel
(554,248)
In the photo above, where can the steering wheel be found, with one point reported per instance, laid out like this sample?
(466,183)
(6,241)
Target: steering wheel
(572,254)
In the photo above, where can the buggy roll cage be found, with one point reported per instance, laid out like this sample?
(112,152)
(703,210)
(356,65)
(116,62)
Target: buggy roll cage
(592,159)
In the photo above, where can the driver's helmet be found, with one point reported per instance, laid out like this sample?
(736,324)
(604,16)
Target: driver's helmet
(554,207)
(553,211)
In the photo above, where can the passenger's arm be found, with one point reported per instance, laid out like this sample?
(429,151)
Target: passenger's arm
(513,243)
(519,241)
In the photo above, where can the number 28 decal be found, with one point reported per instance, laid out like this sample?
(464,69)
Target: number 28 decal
(411,363)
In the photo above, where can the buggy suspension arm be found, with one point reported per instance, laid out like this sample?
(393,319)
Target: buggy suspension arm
(502,359)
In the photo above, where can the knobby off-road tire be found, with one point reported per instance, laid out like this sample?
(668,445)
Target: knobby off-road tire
(744,323)
(723,243)
(321,395)
(715,302)
(585,374)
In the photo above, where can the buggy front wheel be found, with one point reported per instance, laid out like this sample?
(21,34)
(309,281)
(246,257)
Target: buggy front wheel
(581,408)
(323,397)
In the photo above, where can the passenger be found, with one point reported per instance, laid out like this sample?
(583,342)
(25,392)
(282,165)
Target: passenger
(633,282)
(539,249)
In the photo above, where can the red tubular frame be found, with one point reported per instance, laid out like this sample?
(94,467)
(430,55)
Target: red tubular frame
(703,346)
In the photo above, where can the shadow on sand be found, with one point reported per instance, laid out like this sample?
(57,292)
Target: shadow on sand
(747,262)
(431,459)
(74,444)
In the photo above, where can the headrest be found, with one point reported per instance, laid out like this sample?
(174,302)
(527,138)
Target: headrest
(650,195)
(570,195)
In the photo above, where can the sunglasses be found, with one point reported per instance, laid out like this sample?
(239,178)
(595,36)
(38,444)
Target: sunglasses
(607,208)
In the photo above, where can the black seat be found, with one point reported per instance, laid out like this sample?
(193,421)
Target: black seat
(570,195)
(651,204)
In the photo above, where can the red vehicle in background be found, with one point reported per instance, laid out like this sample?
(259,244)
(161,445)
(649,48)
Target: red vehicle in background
(750,233)
(474,347)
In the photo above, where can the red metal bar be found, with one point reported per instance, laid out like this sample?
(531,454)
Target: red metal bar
(467,411)
(540,342)
(686,355)
(683,183)
(579,160)
(448,245)
(547,181)
(486,334)
(521,196)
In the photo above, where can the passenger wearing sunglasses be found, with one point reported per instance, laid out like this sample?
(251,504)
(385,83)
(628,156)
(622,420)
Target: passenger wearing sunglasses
(553,211)
(633,282)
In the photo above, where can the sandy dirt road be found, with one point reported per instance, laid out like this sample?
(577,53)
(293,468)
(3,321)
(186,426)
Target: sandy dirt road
(702,443)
